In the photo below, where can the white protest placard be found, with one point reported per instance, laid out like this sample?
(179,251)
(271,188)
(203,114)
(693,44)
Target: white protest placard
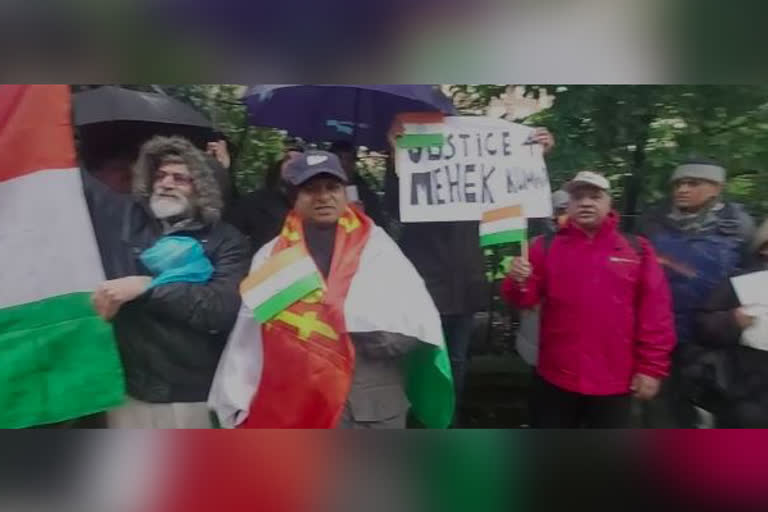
(756,336)
(484,164)
(752,291)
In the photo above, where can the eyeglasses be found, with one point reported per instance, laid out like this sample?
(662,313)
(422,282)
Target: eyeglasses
(178,178)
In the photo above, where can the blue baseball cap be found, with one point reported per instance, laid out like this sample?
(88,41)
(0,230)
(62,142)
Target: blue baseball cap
(312,163)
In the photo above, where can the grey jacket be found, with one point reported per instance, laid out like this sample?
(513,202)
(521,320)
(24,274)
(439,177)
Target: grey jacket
(377,397)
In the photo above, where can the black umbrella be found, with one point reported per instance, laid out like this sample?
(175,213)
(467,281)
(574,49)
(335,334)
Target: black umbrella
(114,121)
(111,103)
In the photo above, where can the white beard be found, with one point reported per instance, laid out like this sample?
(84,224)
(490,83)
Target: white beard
(166,207)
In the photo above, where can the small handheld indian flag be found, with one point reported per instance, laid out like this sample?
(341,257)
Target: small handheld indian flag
(285,278)
(503,226)
(421,129)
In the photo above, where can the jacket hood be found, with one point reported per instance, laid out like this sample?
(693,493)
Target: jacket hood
(209,199)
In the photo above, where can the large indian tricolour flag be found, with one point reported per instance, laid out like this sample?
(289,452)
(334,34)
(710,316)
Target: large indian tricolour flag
(58,359)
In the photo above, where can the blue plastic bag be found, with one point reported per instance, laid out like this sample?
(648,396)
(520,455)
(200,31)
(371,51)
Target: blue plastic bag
(177,259)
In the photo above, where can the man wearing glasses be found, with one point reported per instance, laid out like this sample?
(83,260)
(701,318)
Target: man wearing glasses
(173,271)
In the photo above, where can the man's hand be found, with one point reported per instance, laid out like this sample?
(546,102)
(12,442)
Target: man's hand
(645,387)
(111,295)
(545,138)
(744,320)
(520,269)
(219,151)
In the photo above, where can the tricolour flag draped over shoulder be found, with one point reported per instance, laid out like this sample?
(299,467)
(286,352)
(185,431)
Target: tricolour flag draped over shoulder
(385,295)
(58,359)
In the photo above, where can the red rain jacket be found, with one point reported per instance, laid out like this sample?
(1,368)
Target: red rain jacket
(606,311)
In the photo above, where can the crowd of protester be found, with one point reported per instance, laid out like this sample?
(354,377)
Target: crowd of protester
(607,318)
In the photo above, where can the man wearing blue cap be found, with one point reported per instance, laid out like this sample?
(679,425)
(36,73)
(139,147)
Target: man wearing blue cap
(337,356)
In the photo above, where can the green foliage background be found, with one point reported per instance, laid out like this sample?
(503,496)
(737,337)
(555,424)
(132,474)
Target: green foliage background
(635,134)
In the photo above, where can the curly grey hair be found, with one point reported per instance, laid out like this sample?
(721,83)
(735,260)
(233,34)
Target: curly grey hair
(156,150)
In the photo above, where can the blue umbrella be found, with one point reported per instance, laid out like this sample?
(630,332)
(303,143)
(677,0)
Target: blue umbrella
(360,114)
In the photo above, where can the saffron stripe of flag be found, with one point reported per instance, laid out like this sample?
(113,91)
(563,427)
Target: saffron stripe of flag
(502,213)
(503,226)
(282,280)
(421,117)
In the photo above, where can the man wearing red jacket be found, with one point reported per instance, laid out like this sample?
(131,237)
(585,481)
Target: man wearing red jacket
(607,328)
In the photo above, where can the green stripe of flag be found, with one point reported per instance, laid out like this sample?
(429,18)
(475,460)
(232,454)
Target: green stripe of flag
(288,296)
(429,386)
(504,237)
(420,140)
(58,361)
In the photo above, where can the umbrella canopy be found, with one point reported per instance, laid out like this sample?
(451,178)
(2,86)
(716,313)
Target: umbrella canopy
(114,121)
(111,103)
(360,114)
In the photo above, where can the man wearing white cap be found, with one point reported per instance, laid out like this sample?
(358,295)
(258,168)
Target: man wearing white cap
(606,316)
(701,240)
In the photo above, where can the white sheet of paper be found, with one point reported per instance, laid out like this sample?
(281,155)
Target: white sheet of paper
(757,335)
(752,289)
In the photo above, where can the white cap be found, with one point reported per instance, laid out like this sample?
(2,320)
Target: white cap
(589,178)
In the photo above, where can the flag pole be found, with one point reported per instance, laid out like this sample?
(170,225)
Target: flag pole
(524,244)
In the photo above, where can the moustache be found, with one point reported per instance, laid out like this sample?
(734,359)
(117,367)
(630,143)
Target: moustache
(169,195)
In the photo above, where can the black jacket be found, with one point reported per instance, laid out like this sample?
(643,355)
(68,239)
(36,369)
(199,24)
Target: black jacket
(448,257)
(171,337)
(369,199)
(740,373)
(260,216)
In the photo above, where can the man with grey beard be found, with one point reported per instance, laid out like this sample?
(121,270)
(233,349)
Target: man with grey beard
(173,270)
